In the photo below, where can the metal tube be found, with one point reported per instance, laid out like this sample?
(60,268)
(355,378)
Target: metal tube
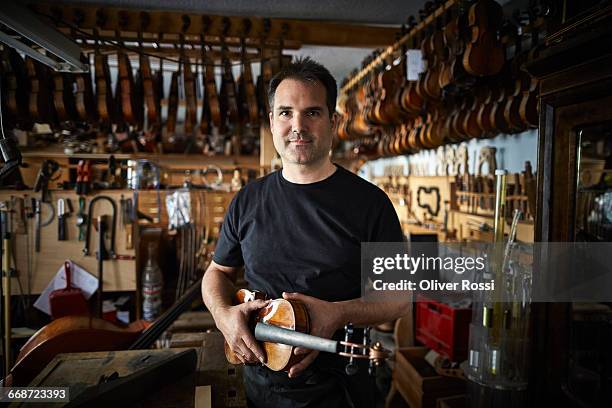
(275,334)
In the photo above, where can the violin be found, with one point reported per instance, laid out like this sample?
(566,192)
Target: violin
(173,102)
(381,86)
(425,51)
(436,134)
(483,118)
(139,101)
(391,106)
(343,115)
(158,85)
(414,135)
(263,81)
(63,98)
(528,108)
(104,94)
(459,119)
(250,97)
(284,324)
(190,97)
(40,102)
(150,102)
(371,93)
(411,100)
(212,96)
(126,82)
(521,81)
(470,122)
(484,54)
(84,97)
(229,103)
(435,54)
(17,87)
(72,334)
(358,125)
(450,36)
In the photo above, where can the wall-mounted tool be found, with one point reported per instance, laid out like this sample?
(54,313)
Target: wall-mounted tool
(102,254)
(83,181)
(39,222)
(19,211)
(64,209)
(45,174)
(89,218)
(81,219)
(126,205)
(429,190)
(112,173)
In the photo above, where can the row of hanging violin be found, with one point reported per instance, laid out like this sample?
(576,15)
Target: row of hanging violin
(132,113)
(466,91)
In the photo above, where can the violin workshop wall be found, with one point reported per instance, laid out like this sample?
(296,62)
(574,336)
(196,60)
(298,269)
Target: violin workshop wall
(36,269)
(512,151)
(456,75)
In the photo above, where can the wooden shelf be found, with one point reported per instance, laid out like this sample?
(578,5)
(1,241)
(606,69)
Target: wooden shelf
(490,217)
(178,160)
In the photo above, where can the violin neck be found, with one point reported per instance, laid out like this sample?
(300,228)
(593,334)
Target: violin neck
(276,334)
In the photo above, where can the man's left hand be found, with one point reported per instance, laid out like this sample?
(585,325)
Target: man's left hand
(325,319)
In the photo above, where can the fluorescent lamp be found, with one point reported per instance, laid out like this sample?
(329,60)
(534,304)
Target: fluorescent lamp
(24,22)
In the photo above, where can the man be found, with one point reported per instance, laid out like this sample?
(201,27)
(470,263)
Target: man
(298,234)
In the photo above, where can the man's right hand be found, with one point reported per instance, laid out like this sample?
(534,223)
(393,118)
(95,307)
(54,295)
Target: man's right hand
(233,321)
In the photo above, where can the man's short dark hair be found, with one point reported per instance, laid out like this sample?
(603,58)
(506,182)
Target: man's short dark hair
(307,70)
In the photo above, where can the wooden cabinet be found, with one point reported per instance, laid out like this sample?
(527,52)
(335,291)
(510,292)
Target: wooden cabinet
(575,72)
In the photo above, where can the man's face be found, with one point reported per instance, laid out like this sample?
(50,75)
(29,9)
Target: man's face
(301,127)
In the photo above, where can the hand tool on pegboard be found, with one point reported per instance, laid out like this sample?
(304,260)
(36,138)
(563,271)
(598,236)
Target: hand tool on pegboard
(64,209)
(40,223)
(81,219)
(45,175)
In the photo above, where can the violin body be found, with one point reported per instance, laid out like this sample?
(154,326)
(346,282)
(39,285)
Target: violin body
(41,107)
(126,80)
(288,314)
(229,102)
(250,93)
(190,97)
(84,98)
(172,112)
(484,54)
(63,98)
(16,87)
(104,94)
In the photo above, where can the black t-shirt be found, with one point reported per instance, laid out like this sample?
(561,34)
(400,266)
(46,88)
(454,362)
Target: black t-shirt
(305,237)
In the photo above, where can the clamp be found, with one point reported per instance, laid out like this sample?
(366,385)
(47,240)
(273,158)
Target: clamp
(90,217)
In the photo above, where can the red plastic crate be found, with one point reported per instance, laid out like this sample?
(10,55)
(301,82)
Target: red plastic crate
(443,328)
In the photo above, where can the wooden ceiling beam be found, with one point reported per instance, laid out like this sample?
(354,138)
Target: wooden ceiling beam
(155,22)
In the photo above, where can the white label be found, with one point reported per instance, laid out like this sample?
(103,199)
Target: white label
(415,64)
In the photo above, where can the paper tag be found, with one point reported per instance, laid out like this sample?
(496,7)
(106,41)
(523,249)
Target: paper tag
(415,64)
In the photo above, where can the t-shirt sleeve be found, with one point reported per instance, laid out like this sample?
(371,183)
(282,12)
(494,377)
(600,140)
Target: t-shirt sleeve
(228,251)
(385,226)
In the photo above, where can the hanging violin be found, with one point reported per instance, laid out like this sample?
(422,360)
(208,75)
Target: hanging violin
(284,324)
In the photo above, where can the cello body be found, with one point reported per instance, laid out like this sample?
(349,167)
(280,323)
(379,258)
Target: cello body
(70,334)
